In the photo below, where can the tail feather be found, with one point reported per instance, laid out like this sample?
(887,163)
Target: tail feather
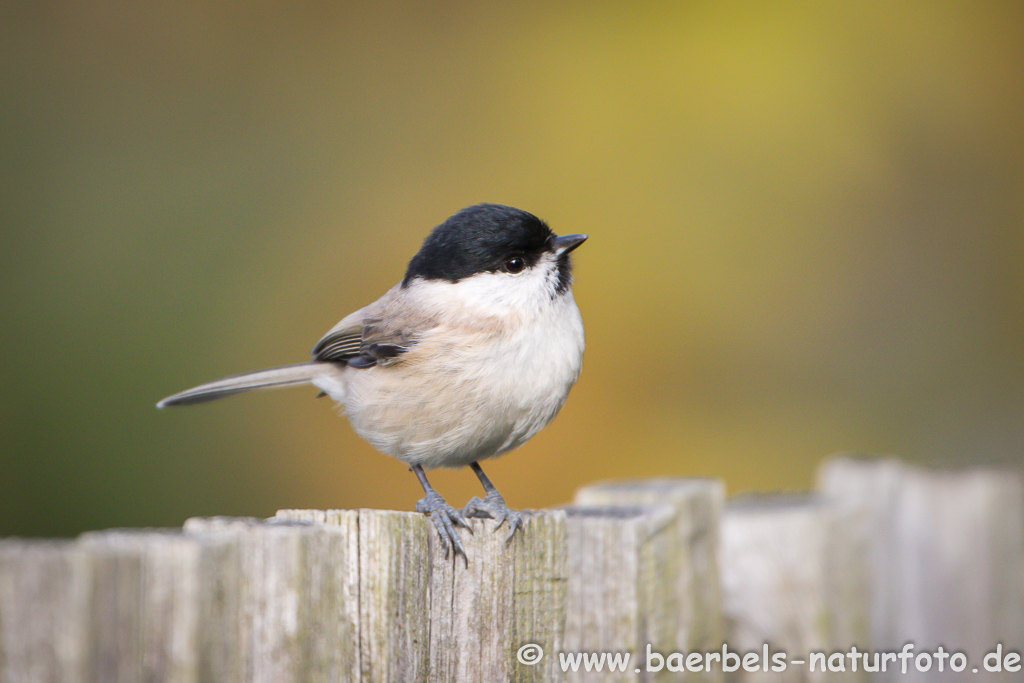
(289,376)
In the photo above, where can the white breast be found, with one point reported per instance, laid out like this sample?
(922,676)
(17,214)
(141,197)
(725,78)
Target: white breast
(479,385)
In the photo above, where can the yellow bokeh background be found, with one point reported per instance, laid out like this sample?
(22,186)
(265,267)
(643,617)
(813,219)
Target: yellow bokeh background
(806,221)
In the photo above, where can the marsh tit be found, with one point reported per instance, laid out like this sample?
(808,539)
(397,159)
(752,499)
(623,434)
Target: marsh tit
(469,356)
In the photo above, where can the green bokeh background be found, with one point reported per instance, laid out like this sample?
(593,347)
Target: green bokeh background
(806,220)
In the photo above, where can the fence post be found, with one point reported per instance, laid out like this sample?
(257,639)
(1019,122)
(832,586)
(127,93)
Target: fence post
(945,559)
(620,595)
(789,592)
(42,611)
(280,601)
(430,617)
(698,505)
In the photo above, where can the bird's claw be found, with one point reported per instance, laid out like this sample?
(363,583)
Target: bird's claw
(445,519)
(493,507)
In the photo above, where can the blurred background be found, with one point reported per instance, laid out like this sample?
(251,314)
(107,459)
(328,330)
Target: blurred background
(806,221)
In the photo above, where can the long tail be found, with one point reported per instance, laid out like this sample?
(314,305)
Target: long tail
(289,376)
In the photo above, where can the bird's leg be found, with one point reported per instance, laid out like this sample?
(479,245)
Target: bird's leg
(442,515)
(493,506)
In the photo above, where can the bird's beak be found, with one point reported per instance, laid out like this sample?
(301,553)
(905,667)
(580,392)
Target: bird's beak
(566,243)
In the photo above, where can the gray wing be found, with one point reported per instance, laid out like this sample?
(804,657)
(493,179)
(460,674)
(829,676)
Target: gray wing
(372,335)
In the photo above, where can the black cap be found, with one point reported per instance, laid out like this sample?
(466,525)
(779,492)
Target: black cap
(477,240)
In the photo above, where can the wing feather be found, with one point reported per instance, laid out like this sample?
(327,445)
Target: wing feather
(370,336)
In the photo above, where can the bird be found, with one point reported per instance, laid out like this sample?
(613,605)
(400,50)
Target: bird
(470,355)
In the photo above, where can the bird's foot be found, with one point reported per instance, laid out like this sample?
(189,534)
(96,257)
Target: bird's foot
(445,519)
(493,507)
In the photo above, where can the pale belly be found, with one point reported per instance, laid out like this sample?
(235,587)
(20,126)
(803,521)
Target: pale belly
(470,403)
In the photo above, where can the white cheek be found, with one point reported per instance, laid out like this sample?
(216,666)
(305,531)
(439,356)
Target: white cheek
(494,294)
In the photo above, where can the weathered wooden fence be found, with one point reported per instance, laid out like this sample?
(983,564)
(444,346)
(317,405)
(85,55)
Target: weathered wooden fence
(881,555)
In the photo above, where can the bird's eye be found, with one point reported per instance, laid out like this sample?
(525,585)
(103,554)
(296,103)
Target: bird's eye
(514,265)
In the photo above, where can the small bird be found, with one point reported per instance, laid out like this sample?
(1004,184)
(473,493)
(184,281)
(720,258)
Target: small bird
(469,356)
